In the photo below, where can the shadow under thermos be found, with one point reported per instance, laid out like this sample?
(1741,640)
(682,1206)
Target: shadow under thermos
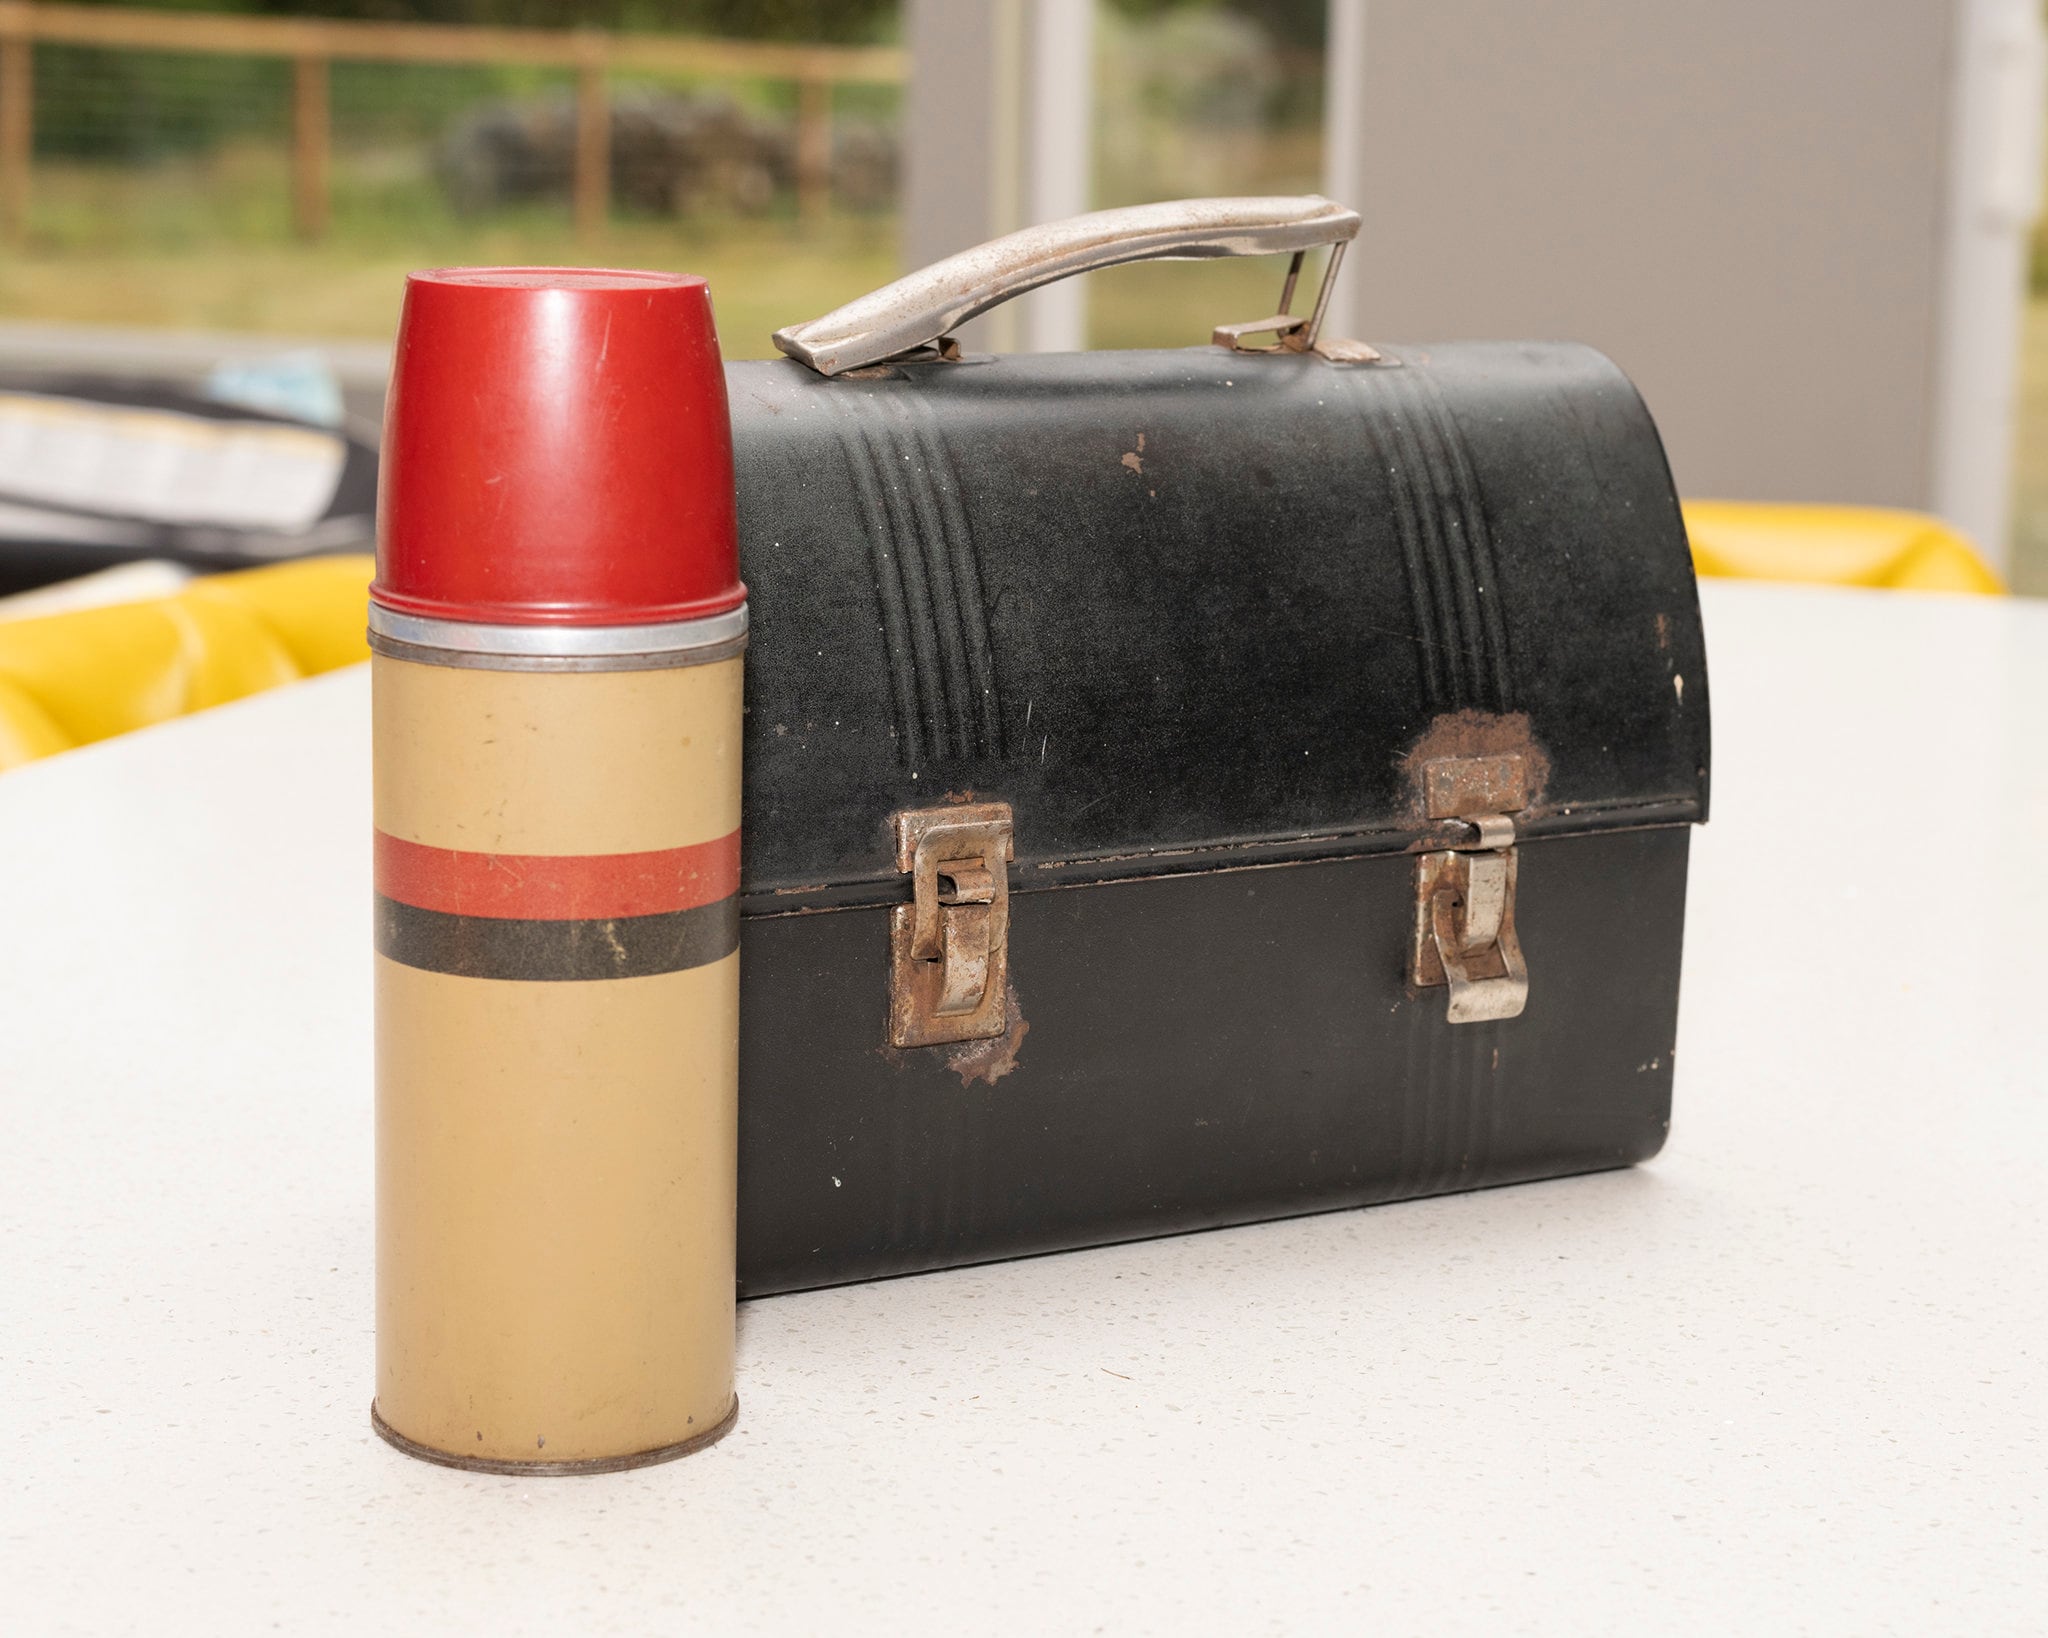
(556,626)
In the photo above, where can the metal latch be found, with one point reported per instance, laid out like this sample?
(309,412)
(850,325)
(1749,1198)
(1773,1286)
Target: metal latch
(1465,894)
(949,947)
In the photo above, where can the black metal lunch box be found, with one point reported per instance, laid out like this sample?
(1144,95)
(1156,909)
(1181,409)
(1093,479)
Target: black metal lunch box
(1190,787)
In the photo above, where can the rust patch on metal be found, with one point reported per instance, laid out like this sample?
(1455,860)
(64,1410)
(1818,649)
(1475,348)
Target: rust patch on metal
(972,1061)
(1477,737)
(991,1060)
(1456,786)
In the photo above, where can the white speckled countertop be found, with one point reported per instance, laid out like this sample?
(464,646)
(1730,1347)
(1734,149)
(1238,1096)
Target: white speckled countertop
(1790,1377)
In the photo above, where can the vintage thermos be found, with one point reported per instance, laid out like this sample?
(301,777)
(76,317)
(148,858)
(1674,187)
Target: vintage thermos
(556,623)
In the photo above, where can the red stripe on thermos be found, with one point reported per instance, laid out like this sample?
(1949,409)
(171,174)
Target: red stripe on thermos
(557,887)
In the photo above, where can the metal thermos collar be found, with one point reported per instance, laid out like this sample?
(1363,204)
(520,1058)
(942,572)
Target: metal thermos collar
(557,648)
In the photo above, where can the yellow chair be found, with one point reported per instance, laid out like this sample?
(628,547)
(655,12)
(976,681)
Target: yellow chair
(70,679)
(1835,546)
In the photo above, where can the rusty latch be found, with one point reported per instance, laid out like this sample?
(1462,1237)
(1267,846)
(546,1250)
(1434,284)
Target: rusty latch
(1465,894)
(949,947)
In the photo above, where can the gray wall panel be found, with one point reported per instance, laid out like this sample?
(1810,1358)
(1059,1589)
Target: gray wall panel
(1741,201)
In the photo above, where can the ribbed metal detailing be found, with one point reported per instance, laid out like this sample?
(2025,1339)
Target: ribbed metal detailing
(1449,1105)
(927,578)
(1441,519)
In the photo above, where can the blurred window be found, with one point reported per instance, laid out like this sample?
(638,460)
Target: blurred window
(1198,97)
(2030,434)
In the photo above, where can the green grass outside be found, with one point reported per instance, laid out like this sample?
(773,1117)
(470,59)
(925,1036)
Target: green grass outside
(207,244)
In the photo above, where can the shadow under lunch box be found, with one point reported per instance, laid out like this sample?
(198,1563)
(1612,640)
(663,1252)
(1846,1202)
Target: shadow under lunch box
(1191,787)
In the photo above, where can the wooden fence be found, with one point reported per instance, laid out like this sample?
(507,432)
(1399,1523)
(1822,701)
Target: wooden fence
(310,44)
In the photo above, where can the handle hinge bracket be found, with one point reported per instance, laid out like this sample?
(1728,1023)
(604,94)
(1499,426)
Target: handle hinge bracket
(1297,333)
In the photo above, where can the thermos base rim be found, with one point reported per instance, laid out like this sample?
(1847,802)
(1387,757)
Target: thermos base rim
(546,1470)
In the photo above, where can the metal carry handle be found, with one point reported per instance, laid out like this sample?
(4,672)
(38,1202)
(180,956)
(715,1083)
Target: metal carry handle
(918,310)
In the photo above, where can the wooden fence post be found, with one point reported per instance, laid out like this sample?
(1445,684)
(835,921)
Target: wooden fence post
(17,120)
(312,44)
(311,126)
(813,146)
(593,178)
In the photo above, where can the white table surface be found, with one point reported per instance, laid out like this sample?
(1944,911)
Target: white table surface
(1790,1377)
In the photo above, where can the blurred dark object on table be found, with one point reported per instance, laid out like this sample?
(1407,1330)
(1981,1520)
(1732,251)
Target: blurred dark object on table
(99,470)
